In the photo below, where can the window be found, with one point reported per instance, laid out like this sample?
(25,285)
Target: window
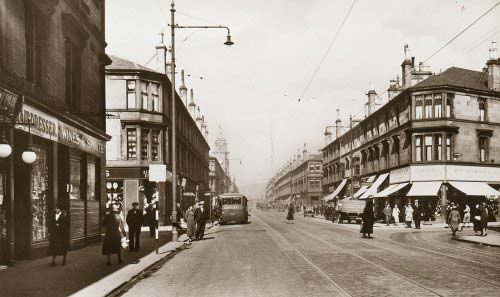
(448,147)
(449,105)
(144,144)
(73,73)
(428,148)
(155,145)
(156,98)
(91,181)
(438,106)
(131,143)
(144,95)
(438,147)
(418,149)
(428,106)
(311,167)
(482,110)
(483,148)
(40,195)
(418,108)
(318,167)
(131,95)
(33,44)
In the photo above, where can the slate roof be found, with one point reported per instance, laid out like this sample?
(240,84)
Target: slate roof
(122,64)
(457,77)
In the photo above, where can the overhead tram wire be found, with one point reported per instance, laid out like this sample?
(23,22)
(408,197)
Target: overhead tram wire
(328,50)
(453,39)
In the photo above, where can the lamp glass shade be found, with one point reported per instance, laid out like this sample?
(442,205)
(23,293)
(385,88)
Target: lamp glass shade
(28,157)
(229,41)
(5,150)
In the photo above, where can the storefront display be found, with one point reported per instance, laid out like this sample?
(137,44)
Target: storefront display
(39,195)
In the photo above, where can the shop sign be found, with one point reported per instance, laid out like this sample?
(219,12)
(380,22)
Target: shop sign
(75,138)
(472,173)
(399,175)
(40,123)
(428,172)
(157,172)
(8,105)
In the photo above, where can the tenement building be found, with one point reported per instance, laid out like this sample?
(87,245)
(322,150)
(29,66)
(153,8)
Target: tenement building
(52,126)
(138,106)
(436,140)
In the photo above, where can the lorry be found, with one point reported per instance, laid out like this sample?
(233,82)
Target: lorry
(351,210)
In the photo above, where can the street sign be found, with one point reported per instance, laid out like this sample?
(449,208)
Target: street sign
(157,173)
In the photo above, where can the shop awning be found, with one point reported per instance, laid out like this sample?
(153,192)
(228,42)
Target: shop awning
(371,179)
(360,191)
(374,187)
(474,188)
(336,192)
(430,188)
(390,190)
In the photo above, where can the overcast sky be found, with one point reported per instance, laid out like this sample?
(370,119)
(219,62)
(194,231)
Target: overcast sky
(251,89)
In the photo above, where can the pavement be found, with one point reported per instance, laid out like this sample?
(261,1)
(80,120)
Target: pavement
(309,257)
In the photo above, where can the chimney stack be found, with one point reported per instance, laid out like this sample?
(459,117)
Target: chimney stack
(183,89)
(161,56)
(199,119)
(493,65)
(372,97)
(420,74)
(337,125)
(407,67)
(328,136)
(203,125)
(394,89)
(192,106)
(304,152)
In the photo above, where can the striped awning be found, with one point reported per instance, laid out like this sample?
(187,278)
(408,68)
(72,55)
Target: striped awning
(390,190)
(336,192)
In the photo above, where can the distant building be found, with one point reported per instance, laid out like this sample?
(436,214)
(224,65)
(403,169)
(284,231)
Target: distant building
(217,179)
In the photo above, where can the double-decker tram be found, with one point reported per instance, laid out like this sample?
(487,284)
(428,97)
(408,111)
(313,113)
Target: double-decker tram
(234,208)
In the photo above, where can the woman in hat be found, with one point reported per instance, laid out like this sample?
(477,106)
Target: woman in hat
(191,224)
(114,231)
(291,211)
(368,219)
(454,219)
(59,236)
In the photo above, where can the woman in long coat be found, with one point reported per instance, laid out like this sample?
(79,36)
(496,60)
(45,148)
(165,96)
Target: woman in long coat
(395,214)
(291,211)
(484,219)
(454,219)
(368,220)
(190,223)
(113,225)
(408,215)
(59,236)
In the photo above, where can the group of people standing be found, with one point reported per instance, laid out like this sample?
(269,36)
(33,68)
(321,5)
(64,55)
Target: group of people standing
(196,217)
(411,213)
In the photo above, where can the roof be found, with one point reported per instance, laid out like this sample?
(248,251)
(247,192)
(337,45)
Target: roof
(457,77)
(122,64)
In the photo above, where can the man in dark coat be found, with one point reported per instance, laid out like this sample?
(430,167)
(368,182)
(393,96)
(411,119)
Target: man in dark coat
(59,236)
(150,219)
(200,216)
(368,219)
(134,221)
(418,213)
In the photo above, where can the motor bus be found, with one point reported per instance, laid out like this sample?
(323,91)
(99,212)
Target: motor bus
(234,208)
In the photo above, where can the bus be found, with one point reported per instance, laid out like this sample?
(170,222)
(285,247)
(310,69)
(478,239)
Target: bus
(234,208)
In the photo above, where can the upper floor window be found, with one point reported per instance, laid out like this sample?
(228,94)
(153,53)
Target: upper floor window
(428,106)
(318,167)
(144,144)
(419,108)
(73,76)
(448,147)
(131,143)
(438,106)
(438,147)
(449,105)
(428,148)
(131,94)
(482,110)
(144,95)
(33,44)
(156,98)
(418,149)
(155,145)
(483,148)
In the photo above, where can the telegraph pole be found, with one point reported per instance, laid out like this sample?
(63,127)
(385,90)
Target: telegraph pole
(173,141)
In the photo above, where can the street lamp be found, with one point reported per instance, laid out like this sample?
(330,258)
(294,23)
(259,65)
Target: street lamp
(228,42)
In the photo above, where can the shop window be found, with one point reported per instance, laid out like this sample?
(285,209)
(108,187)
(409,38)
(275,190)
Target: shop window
(155,145)
(40,195)
(448,147)
(418,149)
(75,169)
(482,110)
(33,44)
(144,95)
(144,144)
(483,148)
(438,147)
(428,106)
(91,181)
(418,108)
(131,143)
(428,148)
(438,106)
(114,194)
(131,94)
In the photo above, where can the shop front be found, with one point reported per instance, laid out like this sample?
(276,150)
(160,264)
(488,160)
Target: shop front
(64,171)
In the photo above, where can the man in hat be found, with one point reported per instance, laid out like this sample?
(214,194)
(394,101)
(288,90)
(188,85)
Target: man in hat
(200,216)
(135,219)
(418,214)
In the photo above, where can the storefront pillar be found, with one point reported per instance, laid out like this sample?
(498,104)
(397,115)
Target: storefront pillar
(10,211)
(444,203)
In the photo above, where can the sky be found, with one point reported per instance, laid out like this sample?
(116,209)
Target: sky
(251,90)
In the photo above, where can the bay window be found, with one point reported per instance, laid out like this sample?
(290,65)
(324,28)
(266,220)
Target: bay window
(428,106)
(131,143)
(418,108)
(155,145)
(144,144)
(448,147)
(428,148)
(438,147)
(418,149)
(437,106)
(131,96)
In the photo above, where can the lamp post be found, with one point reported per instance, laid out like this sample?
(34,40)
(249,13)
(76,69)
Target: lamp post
(174,26)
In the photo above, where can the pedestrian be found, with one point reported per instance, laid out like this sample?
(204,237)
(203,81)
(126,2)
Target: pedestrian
(477,219)
(291,211)
(484,219)
(454,219)
(418,213)
(466,221)
(368,220)
(408,215)
(150,219)
(114,231)
(200,217)
(395,214)
(135,219)
(191,224)
(59,236)
(388,213)
(178,215)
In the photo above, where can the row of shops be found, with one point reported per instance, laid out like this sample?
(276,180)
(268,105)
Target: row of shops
(433,186)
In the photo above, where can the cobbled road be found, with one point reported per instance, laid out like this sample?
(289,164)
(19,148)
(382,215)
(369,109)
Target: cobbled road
(313,257)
